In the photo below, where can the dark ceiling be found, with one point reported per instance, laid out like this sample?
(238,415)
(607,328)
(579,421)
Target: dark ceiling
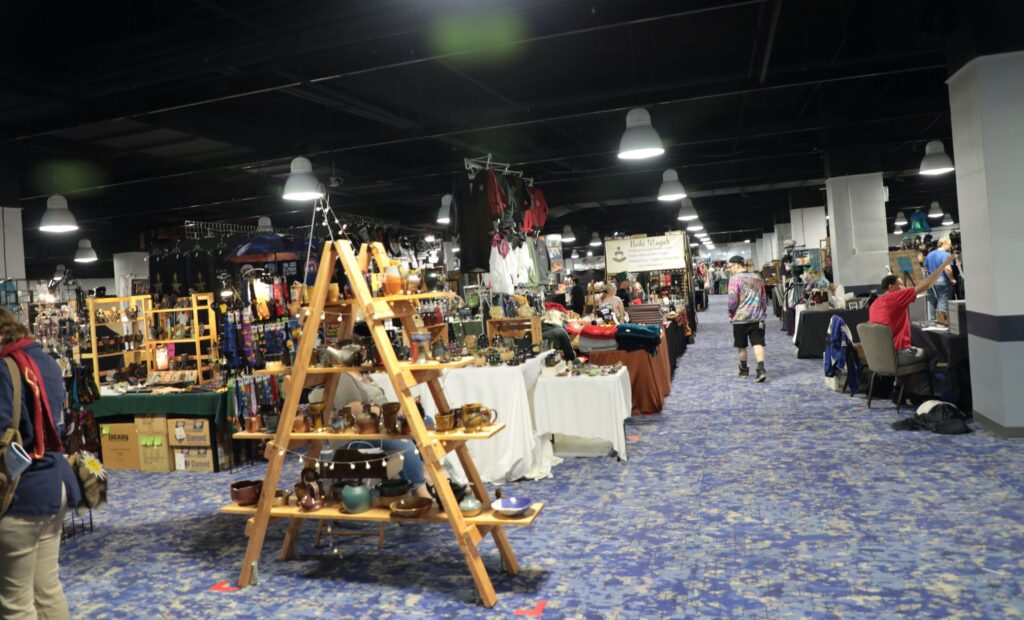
(145,114)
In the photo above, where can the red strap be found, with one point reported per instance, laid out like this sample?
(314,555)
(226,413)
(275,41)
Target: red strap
(47,439)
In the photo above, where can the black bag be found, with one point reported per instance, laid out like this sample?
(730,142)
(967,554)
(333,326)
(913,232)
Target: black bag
(942,418)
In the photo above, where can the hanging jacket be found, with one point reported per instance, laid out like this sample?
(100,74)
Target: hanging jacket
(539,209)
(840,354)
(496,199)
(474,221)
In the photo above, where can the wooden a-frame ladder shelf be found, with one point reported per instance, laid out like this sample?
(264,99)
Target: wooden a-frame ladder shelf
(469,531)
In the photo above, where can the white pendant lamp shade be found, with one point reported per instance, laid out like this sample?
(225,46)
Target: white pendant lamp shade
(57,218)
(947,220)
(935,159)
(301,184)
(575,254)
(935,212)
(590,252)
(687,211)
(694,244)
(640,140)
(595,240)
(444,216)
(897,230)
(263,224)
(567,235)
(900,219)
(671,189)
(701,235)
(694,225)
(59,273)
(85,253)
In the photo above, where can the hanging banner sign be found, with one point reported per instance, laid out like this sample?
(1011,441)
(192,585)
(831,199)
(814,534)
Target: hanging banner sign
(645,254)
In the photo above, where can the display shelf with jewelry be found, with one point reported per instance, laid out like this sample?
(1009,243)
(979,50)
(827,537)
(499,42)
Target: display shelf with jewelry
(404,416)
(189,320)
(122,332)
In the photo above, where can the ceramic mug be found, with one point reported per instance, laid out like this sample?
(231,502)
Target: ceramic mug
(472,421)
(333,291)
(444,422)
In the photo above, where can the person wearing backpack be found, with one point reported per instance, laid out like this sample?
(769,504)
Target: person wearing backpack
(30,528)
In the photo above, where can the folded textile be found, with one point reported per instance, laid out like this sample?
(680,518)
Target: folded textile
(588,344)
(631,337)
(599,331)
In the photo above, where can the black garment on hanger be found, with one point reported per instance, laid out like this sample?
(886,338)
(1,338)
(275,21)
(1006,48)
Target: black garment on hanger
(474,222)
(197,271)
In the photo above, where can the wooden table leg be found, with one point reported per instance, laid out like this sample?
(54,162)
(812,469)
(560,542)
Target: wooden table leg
(288,548)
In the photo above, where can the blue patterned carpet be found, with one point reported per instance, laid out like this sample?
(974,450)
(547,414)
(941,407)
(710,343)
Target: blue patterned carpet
(779,500)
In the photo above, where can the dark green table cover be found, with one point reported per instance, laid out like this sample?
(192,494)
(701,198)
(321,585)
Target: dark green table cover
(199,405)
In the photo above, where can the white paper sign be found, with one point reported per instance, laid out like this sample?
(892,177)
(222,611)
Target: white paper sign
(645,254)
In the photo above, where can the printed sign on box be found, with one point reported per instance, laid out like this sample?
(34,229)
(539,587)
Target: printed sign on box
(119,446)
(188,432)
(645,253)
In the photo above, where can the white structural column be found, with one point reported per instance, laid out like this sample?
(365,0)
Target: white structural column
(12,244)
(986,99)
(127,267)
(860,242)
(808,226)
(783,233)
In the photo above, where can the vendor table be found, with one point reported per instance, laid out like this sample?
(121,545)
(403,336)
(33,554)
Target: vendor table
(951,350)
(812,330)
(649,375)
(592,407)
(517,452)
(676,340)
(211,405)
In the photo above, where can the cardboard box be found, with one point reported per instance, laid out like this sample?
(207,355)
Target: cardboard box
(188,432)
(151,425)
(120,446)
(198,459)
(154,453)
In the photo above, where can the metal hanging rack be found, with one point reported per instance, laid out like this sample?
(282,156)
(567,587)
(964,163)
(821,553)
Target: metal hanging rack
(475,164)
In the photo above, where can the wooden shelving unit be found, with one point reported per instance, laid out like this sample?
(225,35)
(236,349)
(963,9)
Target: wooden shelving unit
(469,531)
(141,304)
(202,326)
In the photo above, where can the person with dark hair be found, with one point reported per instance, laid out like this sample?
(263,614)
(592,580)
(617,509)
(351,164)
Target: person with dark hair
(891,309)
(30,531)
(577,296)
(748,307)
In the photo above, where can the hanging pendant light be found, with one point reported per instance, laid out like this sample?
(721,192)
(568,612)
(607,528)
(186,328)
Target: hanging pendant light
(59,273)
(595,240)
(935,212)
(640,140)
(935,160)
(671,189)
(947,220)
(85,253)
(57,218)
(301,183)
(701,235)
(900,219)
(444,216)
(264,225)
(687,211)
(575,254)
(694,225)
(567,234)
(590,253)
(455,246)
(694,244)
(897,230)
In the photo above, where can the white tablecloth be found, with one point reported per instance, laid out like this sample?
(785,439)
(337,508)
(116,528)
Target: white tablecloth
(421,391)
(515,452)
(593,407)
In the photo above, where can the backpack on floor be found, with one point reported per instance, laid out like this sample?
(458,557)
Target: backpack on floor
(10,436)
(935,416)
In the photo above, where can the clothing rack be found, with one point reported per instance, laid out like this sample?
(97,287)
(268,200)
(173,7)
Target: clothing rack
(475,164)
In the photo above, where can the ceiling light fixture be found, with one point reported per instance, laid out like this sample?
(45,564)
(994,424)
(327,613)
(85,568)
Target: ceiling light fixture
(687,211)
(897,230)
(671,189)
(746,241)
(301,183)
(900,219)
(694,225)
(694,244)
(640,140)
(60,273)
(935,160)
(701,235)
(567,234)
(595,240)
(590,252)
(264,225)
(85,253)
(429,238)
(935,212)
(57,218)
(444,215)
(947,220)
(575,254)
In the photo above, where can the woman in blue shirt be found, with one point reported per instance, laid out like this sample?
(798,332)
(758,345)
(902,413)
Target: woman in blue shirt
(30,530)
(939,294)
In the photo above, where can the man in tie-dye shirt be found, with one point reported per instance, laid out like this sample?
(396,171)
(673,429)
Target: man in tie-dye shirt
(748,306)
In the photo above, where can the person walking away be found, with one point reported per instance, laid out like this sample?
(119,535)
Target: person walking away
(30,531)
(940,292)
(577,297)
(891,309)
(748,307)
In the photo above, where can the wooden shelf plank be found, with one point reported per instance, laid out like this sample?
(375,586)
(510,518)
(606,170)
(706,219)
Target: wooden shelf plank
(91,355)
(411,366)
(206,338)
(416,296)
(332,511)
(458,435)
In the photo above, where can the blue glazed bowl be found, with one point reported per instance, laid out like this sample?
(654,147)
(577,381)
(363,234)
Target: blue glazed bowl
(511,506)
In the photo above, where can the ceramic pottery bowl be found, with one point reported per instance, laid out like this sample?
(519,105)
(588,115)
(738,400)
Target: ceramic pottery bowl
(246,492)
(281,497)
(458,490)
(393,489)
(410,507)
(511,506)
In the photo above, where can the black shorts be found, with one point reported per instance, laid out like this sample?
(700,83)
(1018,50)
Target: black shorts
(741,332)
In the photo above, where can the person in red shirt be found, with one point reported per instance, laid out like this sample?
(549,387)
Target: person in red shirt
(891,309)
